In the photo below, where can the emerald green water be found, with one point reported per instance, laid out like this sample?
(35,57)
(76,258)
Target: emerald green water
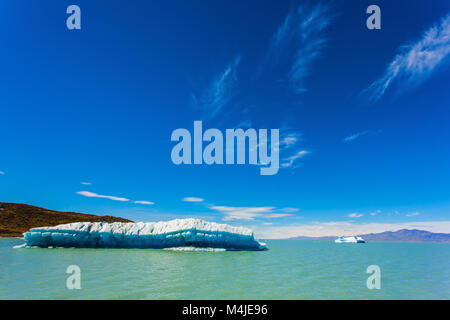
(289,270)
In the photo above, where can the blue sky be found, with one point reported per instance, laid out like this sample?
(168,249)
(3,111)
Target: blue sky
(86,115)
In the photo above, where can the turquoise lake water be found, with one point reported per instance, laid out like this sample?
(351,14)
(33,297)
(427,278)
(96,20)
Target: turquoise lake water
(289,270)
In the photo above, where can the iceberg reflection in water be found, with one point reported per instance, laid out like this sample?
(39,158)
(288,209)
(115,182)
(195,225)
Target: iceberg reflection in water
(158,235)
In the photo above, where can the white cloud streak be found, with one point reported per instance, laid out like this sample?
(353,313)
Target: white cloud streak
(361,134)
(303,29)
(416,61)
(355,215)
(193,199)
(289,161)
(249,213)
(290,139)
(144,202)
(221,90)
(355,136)
(289,144)
(95,195)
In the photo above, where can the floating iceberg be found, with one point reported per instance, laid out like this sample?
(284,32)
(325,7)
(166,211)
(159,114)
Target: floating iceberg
(351,239)
(168,234)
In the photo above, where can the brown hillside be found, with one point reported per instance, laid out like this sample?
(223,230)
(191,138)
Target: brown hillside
(16,218)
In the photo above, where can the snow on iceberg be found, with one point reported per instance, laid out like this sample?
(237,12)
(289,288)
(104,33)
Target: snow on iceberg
(158,235)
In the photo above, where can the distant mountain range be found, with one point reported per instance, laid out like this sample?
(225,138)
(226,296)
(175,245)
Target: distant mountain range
(17,218)
(403,235)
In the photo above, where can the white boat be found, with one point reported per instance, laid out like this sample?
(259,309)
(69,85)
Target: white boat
(351,239)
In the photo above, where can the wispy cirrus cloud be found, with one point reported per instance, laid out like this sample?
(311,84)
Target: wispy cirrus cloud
(361,134)
(221,90)
(289,139)
(289,147)
(86,183)
(114,198)
(193,199)
(413,214)
(301,35)
(2,172)
(415,62)
(291,160)
(355,136)
(144,202)
(250,213)
(96,195)
(355,215)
